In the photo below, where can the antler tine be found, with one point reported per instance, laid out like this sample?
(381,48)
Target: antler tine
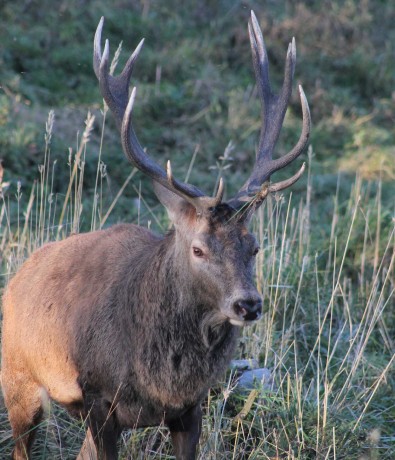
(259,59)
(272,188)
(278,186)
(201,201)
(273,111)
(303,139)
(115,91)
(97,48)
(273,106)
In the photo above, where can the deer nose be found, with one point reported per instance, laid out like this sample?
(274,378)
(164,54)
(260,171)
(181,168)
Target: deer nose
(248,309)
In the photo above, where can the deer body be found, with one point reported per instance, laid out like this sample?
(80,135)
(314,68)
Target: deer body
(110,310)
(114,316)
(126,328)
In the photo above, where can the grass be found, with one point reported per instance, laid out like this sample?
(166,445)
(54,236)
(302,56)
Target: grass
(326,268)
(326,334)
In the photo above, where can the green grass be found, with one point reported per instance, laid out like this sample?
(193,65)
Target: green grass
(326,268)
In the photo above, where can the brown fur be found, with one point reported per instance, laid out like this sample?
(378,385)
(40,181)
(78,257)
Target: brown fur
(126,327)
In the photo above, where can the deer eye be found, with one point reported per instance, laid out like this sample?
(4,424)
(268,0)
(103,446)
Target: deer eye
(197,252)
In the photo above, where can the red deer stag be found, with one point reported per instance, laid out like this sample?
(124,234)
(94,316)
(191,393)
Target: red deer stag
(127,328)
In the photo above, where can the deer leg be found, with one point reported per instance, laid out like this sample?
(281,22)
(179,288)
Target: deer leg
(185,433)
(103,430)
(23,399)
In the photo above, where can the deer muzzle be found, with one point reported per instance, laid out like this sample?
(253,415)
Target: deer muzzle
(246,310)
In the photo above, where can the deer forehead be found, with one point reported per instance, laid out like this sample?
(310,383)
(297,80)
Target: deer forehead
(223,237)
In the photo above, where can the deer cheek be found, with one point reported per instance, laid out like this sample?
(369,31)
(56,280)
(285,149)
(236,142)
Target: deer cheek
(199,264)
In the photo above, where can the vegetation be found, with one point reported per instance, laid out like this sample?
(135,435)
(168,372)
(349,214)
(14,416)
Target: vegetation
(326,268)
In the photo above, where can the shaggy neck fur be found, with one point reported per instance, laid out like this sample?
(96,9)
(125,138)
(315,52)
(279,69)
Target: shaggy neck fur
(175,341)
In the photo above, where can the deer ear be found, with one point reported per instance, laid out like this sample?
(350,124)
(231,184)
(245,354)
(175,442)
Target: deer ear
(179,210)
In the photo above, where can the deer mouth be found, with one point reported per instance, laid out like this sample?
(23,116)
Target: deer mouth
(237,322)
(243,322)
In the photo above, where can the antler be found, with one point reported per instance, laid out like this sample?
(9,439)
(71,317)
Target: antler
(115,91)
(273,111)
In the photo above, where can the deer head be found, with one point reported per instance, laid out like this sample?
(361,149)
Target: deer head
(212,234)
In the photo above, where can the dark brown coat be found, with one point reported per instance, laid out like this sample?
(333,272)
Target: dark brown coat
(125,324)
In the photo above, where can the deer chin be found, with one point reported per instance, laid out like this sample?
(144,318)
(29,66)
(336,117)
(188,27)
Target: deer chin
(241,322)
(237,322)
